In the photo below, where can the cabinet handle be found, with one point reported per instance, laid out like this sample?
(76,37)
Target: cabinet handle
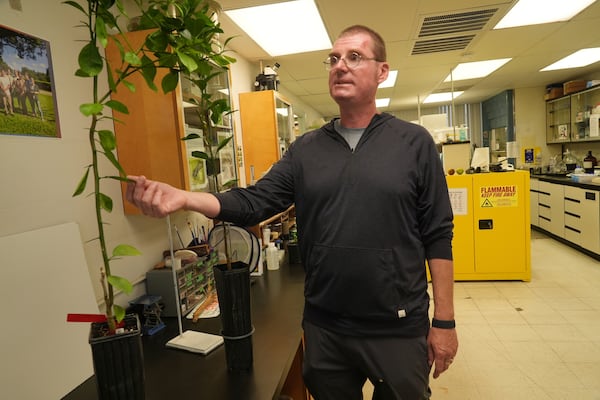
(573,200)
(572,229)
(572,215)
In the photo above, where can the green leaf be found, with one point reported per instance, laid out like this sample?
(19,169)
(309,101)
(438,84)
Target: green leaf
(129,85)
(170,81)
(191,136)
(224,143)
(120,283)
(229,184)
(148,71)
(117,106)
(106,202)
(89,109)
(125,250)
(82,183)
(200,154)
(188,62)
(119,312)
(107,139)
(101,34)
(113,160)
(111,80)
(90,61)
(132,59)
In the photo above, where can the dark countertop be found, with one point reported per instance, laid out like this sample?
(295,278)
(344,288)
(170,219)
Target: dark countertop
(564,180)
(277,304)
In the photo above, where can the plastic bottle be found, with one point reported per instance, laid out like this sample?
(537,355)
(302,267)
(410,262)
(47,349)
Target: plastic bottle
(293,233)
(589,162)
(272,257)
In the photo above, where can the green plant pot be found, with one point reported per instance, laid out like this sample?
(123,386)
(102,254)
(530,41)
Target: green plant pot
(233,292)
(118,361)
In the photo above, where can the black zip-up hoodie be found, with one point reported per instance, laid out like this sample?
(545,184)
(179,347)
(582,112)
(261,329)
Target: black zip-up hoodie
(367,221)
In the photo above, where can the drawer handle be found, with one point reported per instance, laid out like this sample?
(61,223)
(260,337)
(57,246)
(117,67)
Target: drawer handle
(572,215)
(573,200)
(544,218)
(544,205)
(572,229)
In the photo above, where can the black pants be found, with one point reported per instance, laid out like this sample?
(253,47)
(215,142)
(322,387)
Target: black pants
(337,366)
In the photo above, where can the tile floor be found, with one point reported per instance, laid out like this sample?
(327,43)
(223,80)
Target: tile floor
(536,340)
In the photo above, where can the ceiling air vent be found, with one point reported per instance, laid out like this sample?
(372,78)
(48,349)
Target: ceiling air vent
(442,44)
(450,31)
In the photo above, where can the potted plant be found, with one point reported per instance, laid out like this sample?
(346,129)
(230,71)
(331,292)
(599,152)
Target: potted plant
(232,279)
(180,40)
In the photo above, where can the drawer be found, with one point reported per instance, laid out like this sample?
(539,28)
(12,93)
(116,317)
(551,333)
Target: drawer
(573,206)
(573,236)
(544,198)
(545,224)
(544,211)
(573,221)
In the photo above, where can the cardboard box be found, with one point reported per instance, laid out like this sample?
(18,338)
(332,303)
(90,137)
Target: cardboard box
(574,86)
(553,93)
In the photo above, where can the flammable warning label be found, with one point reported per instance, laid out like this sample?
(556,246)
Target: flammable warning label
(498,196)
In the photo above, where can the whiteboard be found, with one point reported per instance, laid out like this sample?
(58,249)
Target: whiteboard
(44,276)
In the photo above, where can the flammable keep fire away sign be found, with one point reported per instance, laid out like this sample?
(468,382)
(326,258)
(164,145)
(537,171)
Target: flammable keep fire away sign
(498,196)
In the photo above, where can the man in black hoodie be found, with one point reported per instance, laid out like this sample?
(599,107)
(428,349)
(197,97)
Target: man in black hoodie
(372,211)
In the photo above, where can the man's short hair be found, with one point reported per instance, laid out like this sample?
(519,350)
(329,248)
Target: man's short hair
(378,44)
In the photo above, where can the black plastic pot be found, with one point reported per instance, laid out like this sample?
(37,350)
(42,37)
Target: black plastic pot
(233,292)
(118,361)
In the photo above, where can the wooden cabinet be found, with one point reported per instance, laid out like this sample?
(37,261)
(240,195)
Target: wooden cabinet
(267,130)
(149,137)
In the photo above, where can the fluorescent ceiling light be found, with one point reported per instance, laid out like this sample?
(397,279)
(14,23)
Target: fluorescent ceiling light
(390,81)
(441,97)
(476,69)
(533,12)
(580,58)
(379,103)
(284,28)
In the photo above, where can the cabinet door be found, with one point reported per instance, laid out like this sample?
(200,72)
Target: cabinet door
(460,188)
(582,217)
(585,125)
(558,120)
(149,137)
(264,116)
(501,222)
(552,208)
(533,201)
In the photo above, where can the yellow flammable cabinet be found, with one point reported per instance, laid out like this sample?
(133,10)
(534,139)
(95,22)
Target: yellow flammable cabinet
(491,226)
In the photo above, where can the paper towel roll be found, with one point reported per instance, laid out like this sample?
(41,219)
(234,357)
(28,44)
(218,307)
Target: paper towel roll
(594,125)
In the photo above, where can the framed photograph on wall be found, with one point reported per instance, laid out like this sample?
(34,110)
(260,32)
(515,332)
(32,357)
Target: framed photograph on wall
(27,91)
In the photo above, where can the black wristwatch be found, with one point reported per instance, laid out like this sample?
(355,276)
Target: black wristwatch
(438,323)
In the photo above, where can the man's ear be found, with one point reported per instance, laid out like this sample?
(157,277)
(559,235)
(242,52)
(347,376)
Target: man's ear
(384,70)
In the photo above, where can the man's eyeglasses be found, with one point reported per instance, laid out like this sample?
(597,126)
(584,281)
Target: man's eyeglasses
(352,60)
